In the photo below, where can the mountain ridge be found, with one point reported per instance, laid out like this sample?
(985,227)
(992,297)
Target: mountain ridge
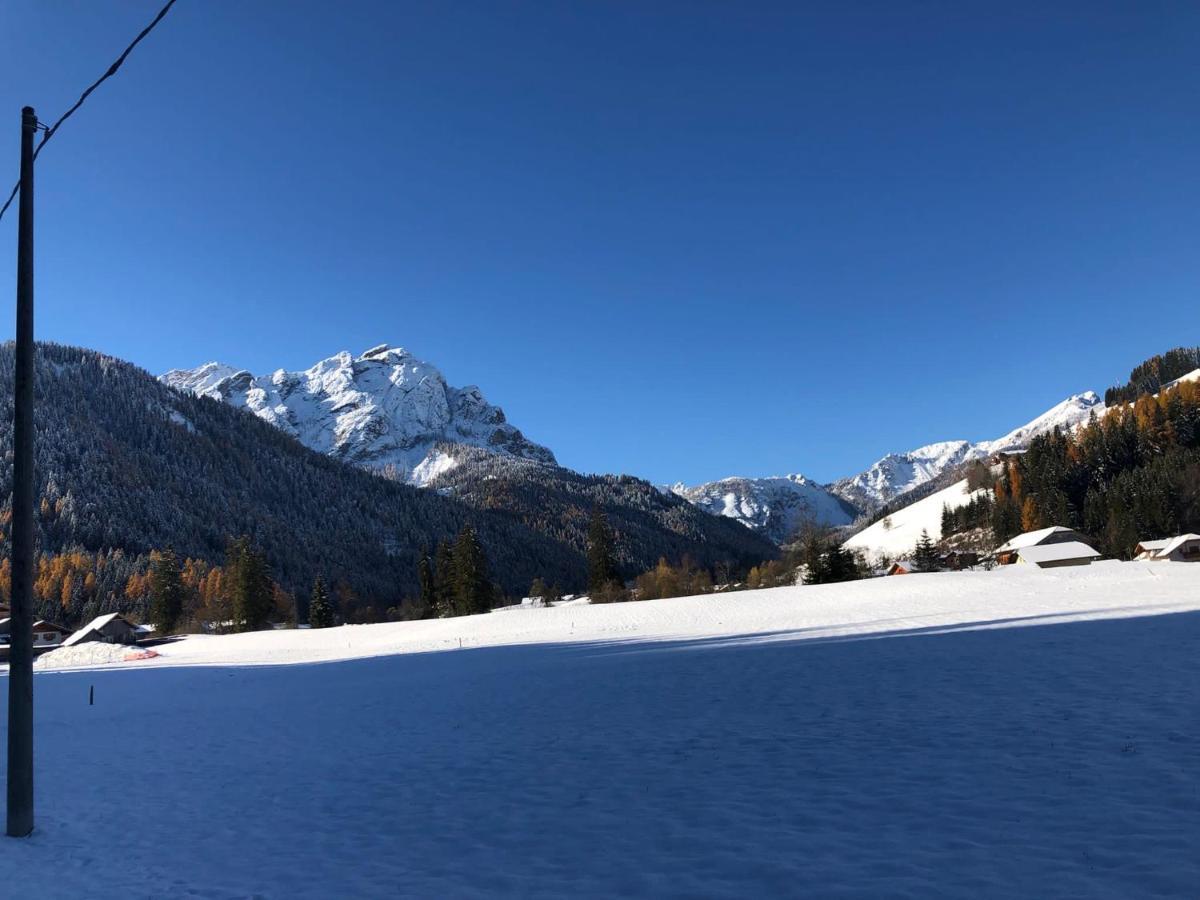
(891,476)
(384,410)
(391,413)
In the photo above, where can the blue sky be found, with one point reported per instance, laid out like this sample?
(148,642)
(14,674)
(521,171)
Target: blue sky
(680,240)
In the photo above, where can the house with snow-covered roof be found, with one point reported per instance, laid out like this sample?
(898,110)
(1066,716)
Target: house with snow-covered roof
(1148,549)
(110,629)
(47,634)
(903,567)
(1053,556)
(1006,553)
(1181,548)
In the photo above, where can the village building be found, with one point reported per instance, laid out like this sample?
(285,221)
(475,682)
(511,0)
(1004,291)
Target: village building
(1006,553)
(957,560)
(1148,549)
(1181,548)
(110,629)
(902,567)
(47,634)
(1053,556)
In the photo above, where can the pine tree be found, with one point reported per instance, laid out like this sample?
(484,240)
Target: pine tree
(925,556)
(427,583)
(841,564)
(539,591)
(473,590)
(443,580)
(320,610)
(602,565)
(166,591)
(250,590)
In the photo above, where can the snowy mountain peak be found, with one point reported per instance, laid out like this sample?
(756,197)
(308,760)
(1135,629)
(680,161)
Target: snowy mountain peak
(776,506)
(384,410)
(898,473)
(1067,414)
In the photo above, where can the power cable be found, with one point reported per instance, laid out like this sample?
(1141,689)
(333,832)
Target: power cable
(48,132)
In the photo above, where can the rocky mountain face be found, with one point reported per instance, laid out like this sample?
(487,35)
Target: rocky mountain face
(776,506)
(384,410)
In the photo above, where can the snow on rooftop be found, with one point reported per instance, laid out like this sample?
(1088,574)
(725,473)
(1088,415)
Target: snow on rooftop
(1154,545)
(95,625)
(1041,553)
(1175,543)
(1030,538)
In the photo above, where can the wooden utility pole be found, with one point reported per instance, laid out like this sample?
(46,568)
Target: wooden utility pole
(20,654)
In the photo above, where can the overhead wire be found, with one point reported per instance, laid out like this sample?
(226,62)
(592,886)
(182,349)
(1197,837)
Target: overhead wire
(48,131)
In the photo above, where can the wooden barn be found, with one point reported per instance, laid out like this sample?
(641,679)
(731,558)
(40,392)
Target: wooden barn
(110,629)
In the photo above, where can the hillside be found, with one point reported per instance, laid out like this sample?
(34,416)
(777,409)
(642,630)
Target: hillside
(126,465)
(557,501)
(895,535)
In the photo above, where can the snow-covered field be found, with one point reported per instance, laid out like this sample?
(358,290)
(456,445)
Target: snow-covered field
(1008,733)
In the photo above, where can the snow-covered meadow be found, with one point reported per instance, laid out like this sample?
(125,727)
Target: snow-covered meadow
(1012,733)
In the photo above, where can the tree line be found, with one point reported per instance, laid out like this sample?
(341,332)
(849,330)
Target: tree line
(1130,474)
(1150,376)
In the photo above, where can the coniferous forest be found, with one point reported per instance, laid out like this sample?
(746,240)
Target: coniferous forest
(127,468)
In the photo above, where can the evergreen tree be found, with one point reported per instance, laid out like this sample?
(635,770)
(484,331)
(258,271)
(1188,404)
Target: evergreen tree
(427,583)
(320,610)
(443,580)
(925,556)
(166,591)
(251,593)
(825,561)
(473,590)
(602,565)
(539,591)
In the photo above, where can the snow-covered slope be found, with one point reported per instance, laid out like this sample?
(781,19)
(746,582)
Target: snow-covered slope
(777,507)
(1193,375)
(950,735)
(898,473)
(385,410)
(896,535)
